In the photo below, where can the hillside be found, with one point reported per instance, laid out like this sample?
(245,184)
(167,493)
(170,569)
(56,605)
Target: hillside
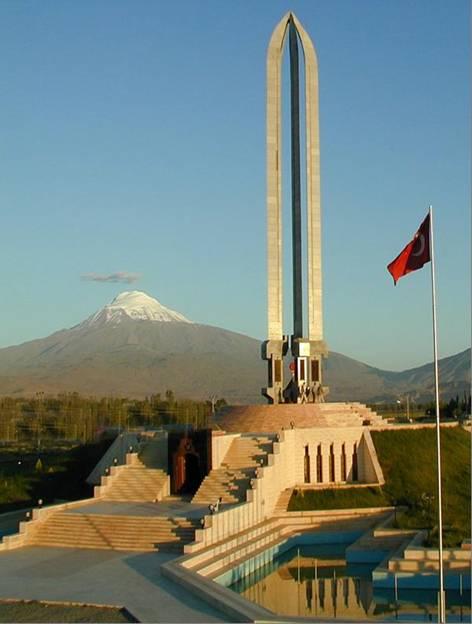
(352,380)
(408,462)
(136,359)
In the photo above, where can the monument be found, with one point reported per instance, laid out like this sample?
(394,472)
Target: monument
(306,344)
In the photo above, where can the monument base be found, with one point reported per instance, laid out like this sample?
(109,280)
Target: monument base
(275,418)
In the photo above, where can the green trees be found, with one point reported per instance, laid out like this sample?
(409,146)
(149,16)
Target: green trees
(73,417)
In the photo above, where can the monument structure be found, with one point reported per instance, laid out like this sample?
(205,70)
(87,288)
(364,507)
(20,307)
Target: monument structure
(306,344)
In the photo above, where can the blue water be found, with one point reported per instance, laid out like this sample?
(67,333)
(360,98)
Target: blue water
(315,581)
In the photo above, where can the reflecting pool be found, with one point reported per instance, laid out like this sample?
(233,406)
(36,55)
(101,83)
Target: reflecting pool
(315,581)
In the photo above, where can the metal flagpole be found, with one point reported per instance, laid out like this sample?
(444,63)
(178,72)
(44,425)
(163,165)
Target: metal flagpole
(442,606)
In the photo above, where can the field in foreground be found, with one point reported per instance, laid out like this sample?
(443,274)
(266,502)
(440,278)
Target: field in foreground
(34,611)
(408,460)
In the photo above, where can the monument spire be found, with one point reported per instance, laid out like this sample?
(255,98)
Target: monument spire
(307,348)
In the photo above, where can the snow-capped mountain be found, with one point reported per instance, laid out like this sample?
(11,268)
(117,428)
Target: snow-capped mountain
(136,347)
(135,305)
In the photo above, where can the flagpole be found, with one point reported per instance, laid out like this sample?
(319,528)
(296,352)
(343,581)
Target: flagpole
(441,606)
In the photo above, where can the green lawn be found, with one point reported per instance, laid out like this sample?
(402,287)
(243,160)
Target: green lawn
(33,611)
(345,498)
(408,460)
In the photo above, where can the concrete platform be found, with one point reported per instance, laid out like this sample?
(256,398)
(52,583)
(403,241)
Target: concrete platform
(102,577)
(173,509)
(274,418)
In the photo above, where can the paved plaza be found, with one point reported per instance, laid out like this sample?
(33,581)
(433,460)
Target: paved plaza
(132,580)
(173,508)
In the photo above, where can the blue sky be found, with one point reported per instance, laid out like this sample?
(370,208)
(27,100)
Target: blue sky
(132,138)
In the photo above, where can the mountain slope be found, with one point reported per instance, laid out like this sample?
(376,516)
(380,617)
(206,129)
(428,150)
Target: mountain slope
(136,358)
(350,380)
(136,347)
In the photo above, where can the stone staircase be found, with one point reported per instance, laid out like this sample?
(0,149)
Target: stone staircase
(113,532)
(421,560)
(142,479)
(232,479)
(121,515)
(272,418)
(135,483)
(229,552)
(234,549)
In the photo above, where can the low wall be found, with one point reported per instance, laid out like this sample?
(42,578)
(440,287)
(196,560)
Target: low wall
(395,426)
(220,444)
(370,470)
(10,521)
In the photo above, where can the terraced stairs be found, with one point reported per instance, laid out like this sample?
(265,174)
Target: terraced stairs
(140,480)
(113,532)
(232,479)
(423,560)
(233,550)
(265,418)
(135,483)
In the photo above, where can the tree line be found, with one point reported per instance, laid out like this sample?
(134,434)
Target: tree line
(458,407)
(73,417)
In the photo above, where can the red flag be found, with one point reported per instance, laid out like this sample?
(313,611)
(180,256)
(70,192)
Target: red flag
(415,255)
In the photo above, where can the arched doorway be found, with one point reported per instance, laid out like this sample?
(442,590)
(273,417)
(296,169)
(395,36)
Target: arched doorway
(188,461)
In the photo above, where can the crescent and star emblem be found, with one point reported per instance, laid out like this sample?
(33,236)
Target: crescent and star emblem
(422,246)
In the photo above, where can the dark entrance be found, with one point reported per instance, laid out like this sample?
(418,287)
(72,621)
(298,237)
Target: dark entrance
(355,471)
(193,473)
(189,460)
(307,465)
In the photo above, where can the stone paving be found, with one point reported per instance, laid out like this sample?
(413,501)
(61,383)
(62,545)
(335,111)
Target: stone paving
(102,577)
(174,508)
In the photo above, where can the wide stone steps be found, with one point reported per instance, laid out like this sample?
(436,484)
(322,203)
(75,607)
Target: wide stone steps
(426,566)
(135,484)
(117,532)
(231,480)
(426,560)
(230,550)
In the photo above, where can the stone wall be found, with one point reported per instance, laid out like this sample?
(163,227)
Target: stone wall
(330,453)
(220,444)
(117,450)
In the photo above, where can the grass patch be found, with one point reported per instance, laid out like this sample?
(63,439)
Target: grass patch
(408,461)
(343,498)
(34,611)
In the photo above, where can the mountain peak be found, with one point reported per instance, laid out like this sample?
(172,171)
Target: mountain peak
(135,305)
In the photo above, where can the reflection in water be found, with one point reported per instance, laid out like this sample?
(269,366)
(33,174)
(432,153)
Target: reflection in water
(317,582)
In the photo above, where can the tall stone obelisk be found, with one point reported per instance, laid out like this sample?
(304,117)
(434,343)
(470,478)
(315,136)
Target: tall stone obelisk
(307,347)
